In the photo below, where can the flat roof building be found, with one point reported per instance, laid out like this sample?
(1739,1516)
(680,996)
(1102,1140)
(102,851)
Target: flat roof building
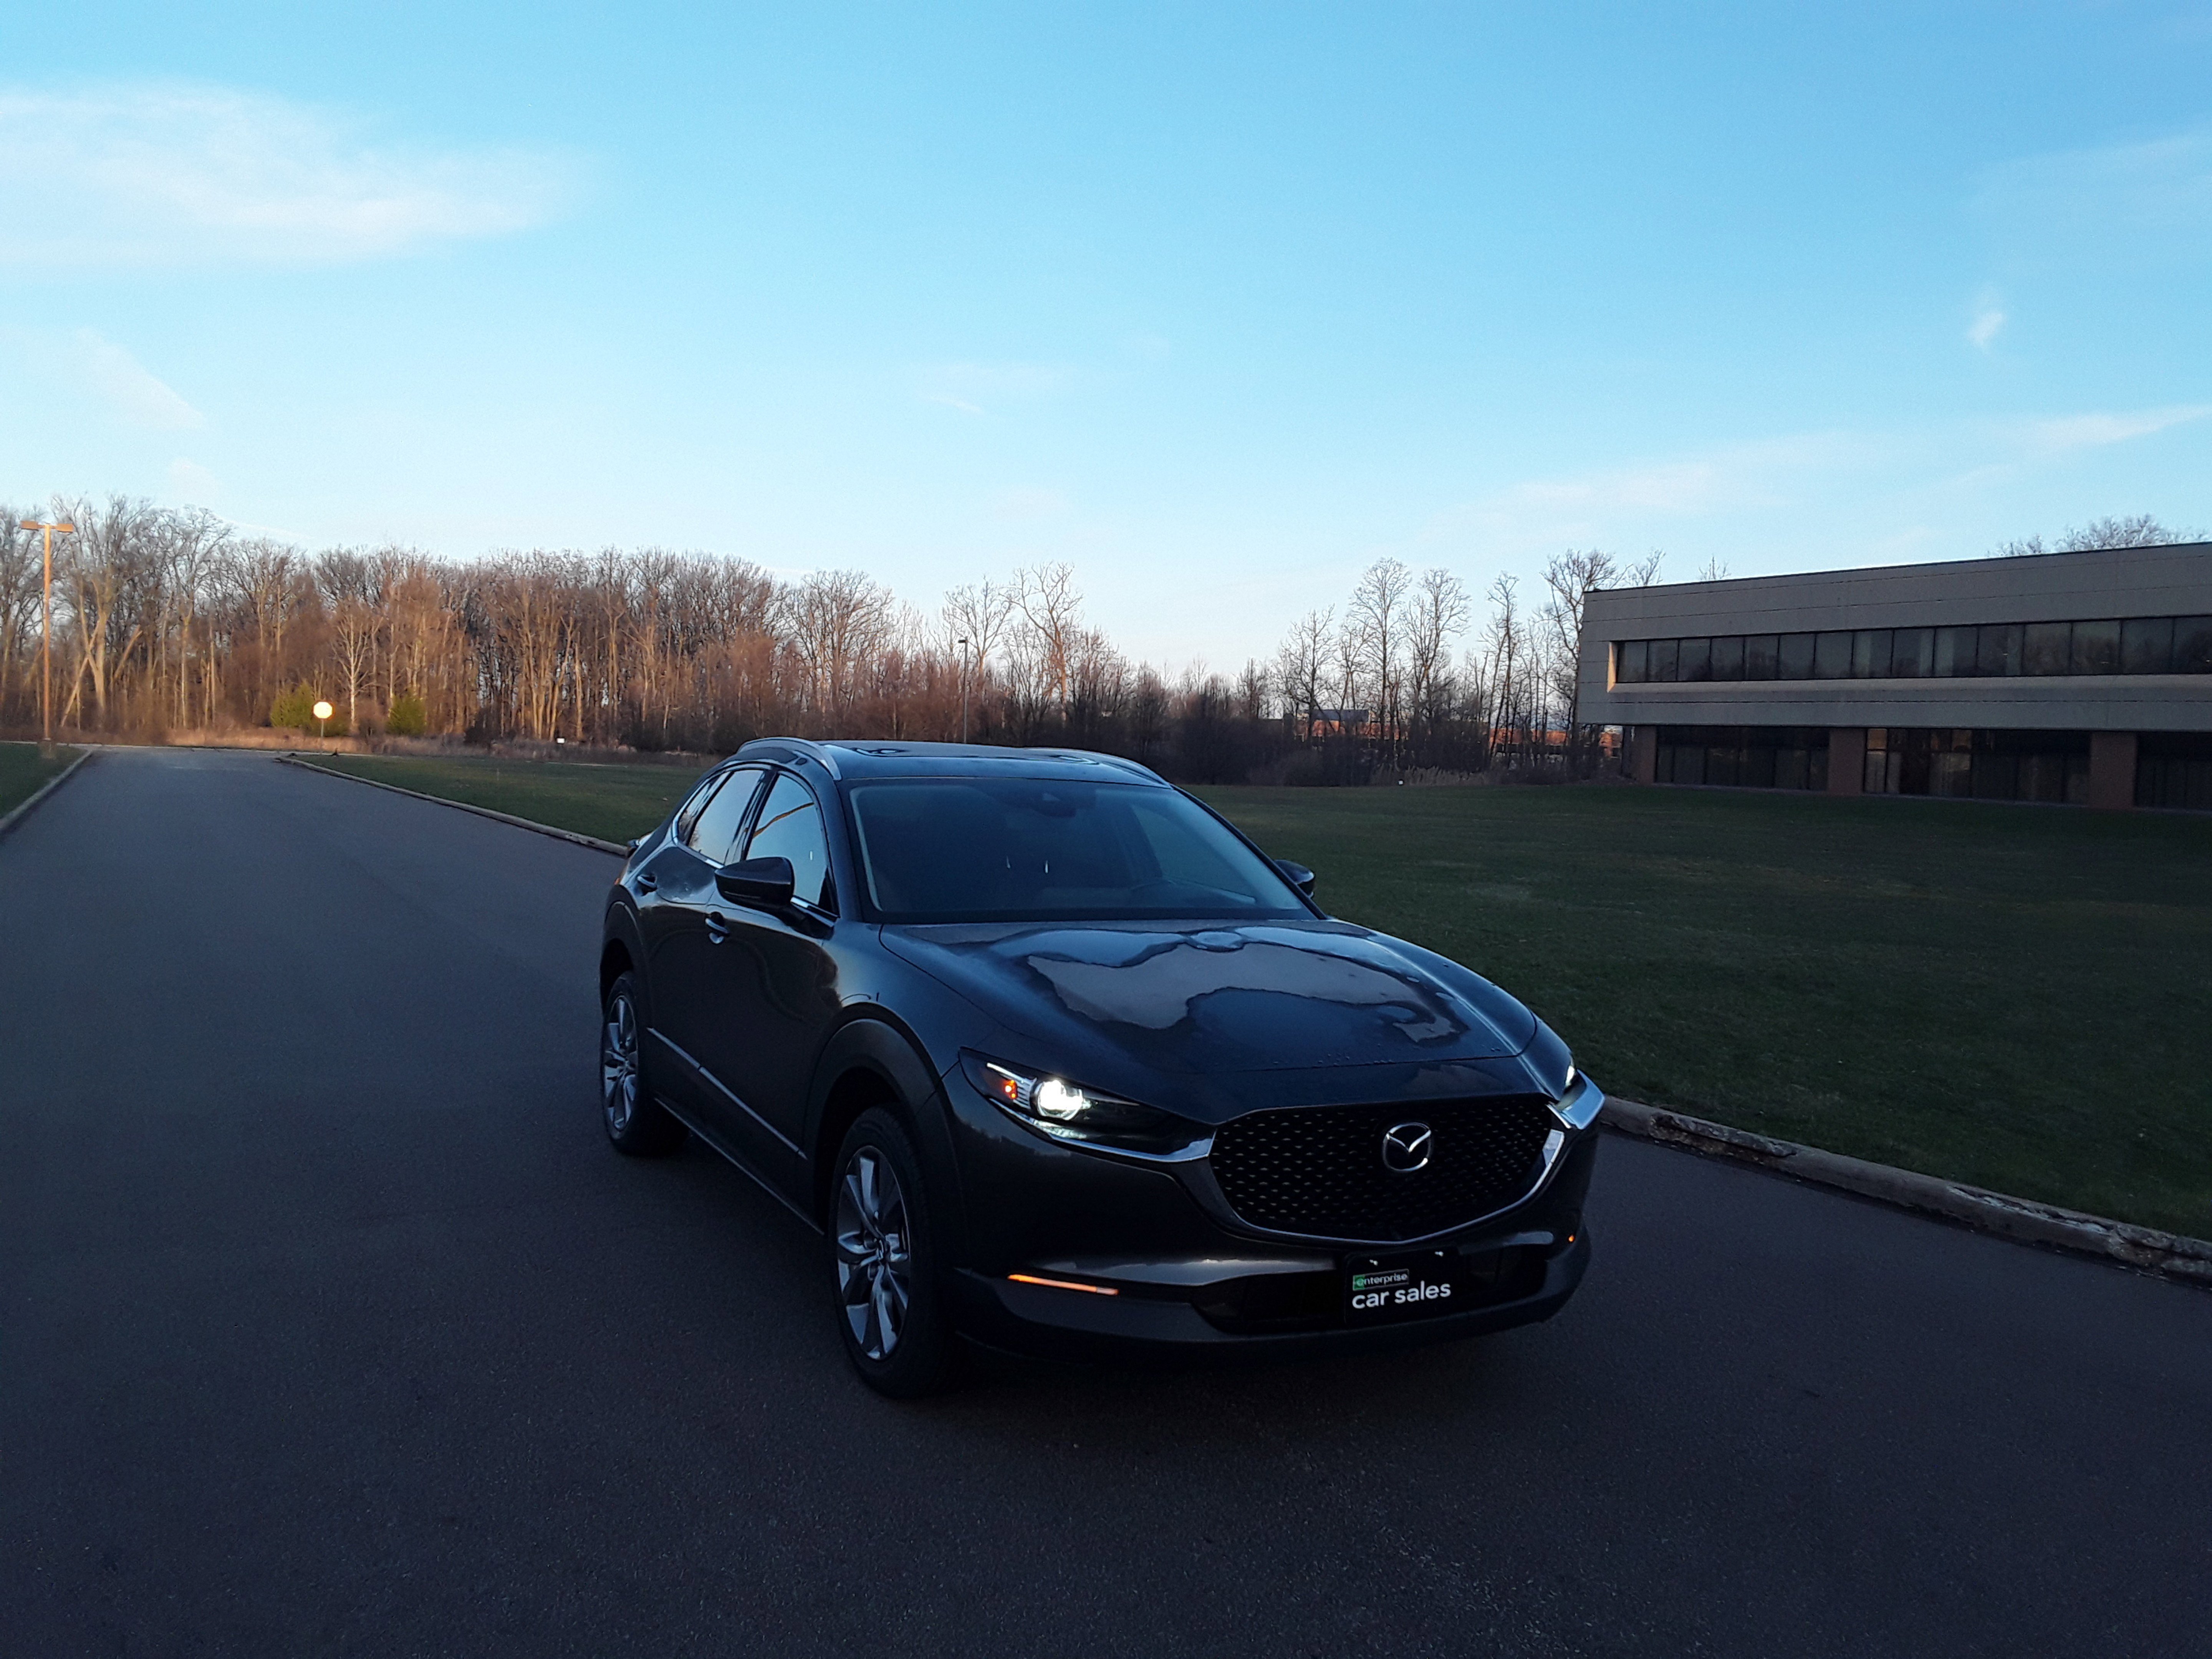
(2063,676)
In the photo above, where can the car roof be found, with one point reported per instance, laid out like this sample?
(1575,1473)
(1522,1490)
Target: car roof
(847,760)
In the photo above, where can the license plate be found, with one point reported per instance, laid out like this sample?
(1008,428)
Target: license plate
(1419,1285)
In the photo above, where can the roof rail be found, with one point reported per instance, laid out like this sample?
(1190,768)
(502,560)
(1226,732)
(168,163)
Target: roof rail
(1137,767)
(806,747)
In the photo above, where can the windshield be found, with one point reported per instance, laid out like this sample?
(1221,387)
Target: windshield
(990,849)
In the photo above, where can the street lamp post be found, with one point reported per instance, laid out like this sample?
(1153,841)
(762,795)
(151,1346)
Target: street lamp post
(963,689)
(46,633)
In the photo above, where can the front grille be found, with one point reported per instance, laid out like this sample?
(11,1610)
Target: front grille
(1319,1169)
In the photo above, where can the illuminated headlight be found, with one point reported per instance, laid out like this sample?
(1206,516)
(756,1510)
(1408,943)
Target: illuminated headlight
(1066,1112)
(1579,1103)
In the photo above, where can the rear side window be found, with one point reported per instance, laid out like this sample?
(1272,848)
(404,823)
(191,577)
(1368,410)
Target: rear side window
(791,828)
(716,824)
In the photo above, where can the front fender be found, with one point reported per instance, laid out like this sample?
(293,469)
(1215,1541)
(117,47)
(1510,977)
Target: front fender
(620,927)
(872,1044)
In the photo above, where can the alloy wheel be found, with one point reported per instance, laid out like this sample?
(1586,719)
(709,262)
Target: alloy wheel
(875,1263)
(618,1077)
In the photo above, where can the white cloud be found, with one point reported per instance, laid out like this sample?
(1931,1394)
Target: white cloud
(86,364)
(120,380)
(2071,432)
(2118,203)
(971,387)
(1988,321)
(191,482)
(171,174)
(1028,505)
(1755,482)
(1736,475)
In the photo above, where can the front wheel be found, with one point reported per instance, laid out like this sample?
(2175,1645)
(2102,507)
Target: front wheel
(636,1123)
(883,1252)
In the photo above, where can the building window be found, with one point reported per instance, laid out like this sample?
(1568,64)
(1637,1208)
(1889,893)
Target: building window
(1912,653)
(2192,645)
(2047,765)
(2138,645)
(1744,757)
(2174,769)
(2147,646)
(2096,647)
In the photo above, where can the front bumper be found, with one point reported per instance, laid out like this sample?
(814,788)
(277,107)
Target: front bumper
(1145,1256)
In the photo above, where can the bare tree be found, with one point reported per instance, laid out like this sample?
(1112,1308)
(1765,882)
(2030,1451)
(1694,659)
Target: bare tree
(1507,648)
(1437,615)
(836,618)
(1378,608)
(1052,606)
(1302,665)
(21,581)
(975,619)
(2135,529)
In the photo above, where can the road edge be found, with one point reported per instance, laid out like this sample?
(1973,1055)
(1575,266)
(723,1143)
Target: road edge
(23,810)
(2172,1255)
(558,834)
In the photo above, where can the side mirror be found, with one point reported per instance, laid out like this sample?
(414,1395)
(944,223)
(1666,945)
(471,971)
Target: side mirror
(756,881)
(1300,877)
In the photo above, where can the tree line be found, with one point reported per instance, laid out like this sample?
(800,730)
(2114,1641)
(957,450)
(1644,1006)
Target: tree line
(169,620)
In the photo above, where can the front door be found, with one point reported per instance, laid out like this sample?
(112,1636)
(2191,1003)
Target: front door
(680,950)
(775,980)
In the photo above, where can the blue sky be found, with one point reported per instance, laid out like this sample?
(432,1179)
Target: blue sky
(1218,302)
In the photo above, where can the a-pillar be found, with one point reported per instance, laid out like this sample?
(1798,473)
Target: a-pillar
(1641,762)
(2112,769)
(1846,759)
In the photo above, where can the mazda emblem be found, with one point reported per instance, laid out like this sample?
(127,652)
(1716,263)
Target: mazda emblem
(1406,1148)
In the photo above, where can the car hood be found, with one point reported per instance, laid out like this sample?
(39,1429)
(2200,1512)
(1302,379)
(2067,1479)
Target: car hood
(1213,998)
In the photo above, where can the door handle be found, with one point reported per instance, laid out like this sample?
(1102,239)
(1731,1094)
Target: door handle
(717,929)
(645,882)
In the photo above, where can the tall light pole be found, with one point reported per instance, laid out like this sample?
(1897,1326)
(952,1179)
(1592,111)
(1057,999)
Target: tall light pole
(963,688)
(46,633)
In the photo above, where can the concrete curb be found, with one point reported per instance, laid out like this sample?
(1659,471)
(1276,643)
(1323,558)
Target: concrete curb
(592,841)
(43,790)
(2168,1254)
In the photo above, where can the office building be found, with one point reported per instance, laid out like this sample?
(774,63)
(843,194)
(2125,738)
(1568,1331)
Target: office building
(2082,677)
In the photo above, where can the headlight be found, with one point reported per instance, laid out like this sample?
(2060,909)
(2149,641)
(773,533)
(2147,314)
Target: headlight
(1065,1111)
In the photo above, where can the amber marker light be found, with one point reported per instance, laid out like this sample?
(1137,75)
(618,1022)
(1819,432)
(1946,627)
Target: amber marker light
(1063,1285)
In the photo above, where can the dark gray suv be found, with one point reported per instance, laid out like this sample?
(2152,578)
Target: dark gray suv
(1057,1061)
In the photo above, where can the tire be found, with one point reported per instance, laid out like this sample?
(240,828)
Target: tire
(884,1269)
(637,1124)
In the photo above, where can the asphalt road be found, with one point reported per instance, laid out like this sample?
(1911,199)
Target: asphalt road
(329,1324)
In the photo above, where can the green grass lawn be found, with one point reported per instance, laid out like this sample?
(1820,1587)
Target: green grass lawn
(2016,997)
(23,773)
(612,802)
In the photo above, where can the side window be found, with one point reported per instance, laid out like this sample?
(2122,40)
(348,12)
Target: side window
(791,828)
(718,823)
(695,803)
